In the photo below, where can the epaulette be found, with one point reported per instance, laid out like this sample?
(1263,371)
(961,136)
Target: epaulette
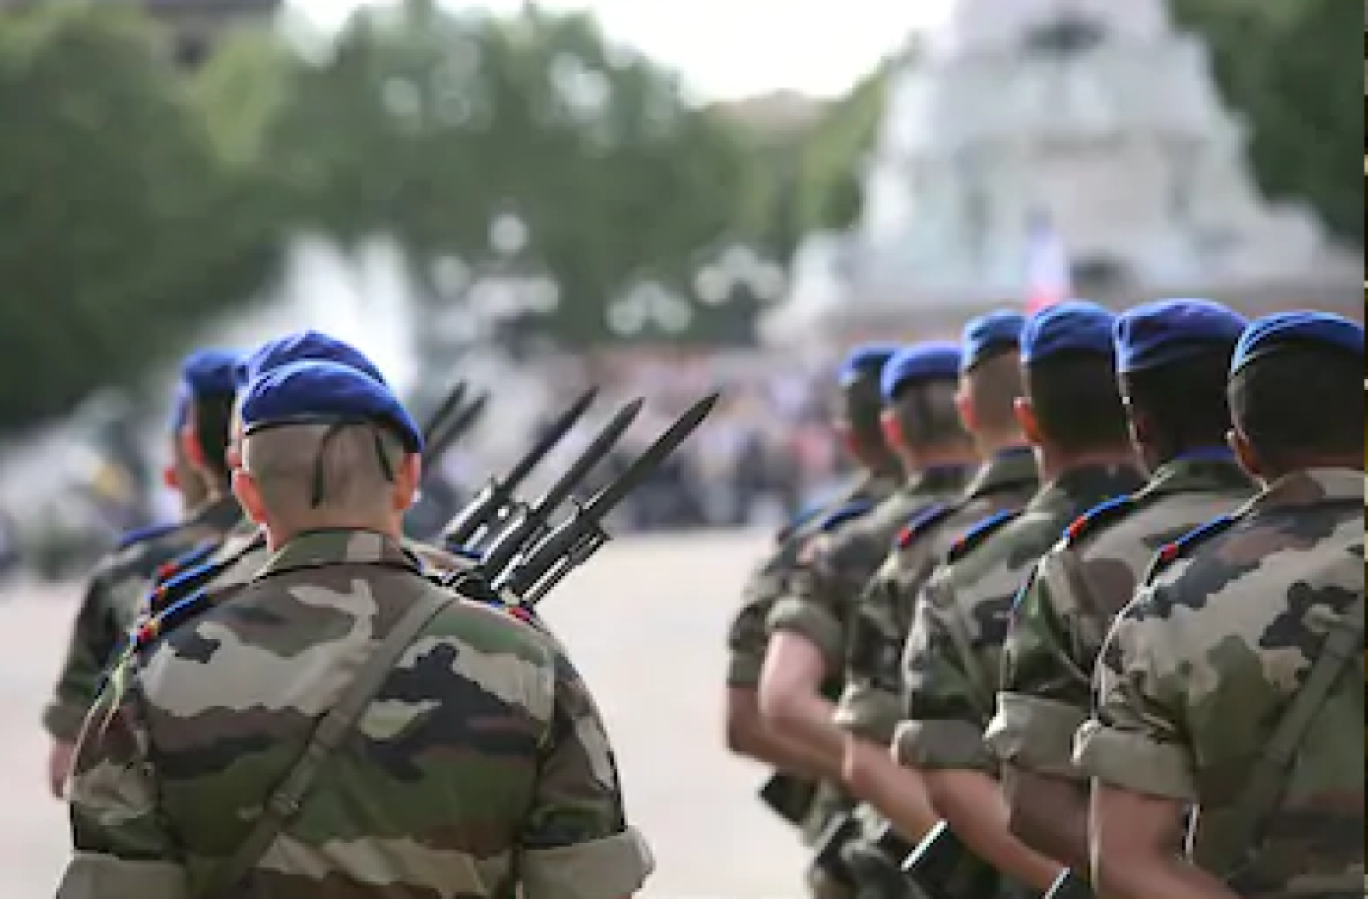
(924,520)
(979,532)
(1098,515)
(464,552)
(849,512)
(142,535)
(798,522)
(1179,548)
(153,626)
(181,585)
(185,561)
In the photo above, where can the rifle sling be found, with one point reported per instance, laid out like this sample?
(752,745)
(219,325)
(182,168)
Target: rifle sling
(285,801)
(1268,780)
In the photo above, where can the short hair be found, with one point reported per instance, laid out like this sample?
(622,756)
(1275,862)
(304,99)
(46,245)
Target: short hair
(1185,401)
(304,467)
(859,410)
(927,415)
(1299,405)
(1077,401)
(992,388)
(212,418)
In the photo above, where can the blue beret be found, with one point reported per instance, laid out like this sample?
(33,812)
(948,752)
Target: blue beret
(866,361)
(990,334)
(1076,326)
(303,346)
(1291,330)
(932,361)
(301,393)
(1169,331)
(203,373)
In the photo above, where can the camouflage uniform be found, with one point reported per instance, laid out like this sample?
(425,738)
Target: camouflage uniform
(111,605)
(748,636)
(1067,606)
(835,567)
(952,657)
(1199,668)
(481,767)
(870,706)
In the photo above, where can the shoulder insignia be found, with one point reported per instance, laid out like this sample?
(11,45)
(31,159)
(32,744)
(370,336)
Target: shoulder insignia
(142,535)
(185,561)
(924,520)
(464,552)
(155,624)
(849,512)
(1179,548)
(181,585)
(799,521)
(979,532)
(1098,515)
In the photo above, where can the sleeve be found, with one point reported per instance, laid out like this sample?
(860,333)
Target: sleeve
(748,636)
(122,844)
(576,843)
(1134,738)
(870,706)
(1045,695)
(943,730)
(94,637)
(810,607)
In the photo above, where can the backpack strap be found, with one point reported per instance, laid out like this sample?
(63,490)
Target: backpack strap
(287,798)
(1268,780)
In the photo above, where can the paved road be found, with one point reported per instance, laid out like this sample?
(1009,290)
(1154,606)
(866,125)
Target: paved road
(645,622)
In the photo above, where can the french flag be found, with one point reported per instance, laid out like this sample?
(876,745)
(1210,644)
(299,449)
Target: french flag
(1048,279)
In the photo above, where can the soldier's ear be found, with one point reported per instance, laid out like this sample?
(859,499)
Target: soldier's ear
(170,477)
(1026,418)
(892,430)
(1244,452)
(964,404)
(249,495)
(406,480)
(190,445)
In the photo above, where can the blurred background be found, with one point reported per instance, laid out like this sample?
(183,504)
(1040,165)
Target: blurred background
(657,196)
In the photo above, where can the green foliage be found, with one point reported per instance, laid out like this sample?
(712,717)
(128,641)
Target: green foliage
(1294,70)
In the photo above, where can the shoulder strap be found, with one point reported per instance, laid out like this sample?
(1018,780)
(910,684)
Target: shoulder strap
(284,802)
(1269,777)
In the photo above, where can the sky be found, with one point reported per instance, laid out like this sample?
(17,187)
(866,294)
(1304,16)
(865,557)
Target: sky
(728,49)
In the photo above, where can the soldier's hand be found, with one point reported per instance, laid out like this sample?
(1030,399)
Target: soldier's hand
(60,757)
(854,763)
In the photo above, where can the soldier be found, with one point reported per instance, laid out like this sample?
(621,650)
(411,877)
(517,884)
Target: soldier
(990,384)
(1234,683)
(1073,416)
(452,749)
(859,426)
(199,472)
(1173,357)
(230,562)
(808,627)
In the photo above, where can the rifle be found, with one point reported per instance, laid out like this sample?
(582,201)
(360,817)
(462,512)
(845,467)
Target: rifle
(875,863)
(533,573)
(789,797)
(443,411)
(492,503)
(457,424)
(529,523)
(828,858)
(942,867)
(1069,886)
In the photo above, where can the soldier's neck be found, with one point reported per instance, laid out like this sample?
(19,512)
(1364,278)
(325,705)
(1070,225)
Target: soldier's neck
(1054,463)
(280,533)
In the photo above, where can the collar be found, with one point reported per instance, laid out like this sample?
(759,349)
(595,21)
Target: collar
(1191,473)
(222,515)
(1007,469)
(1085,486)
(1206,454)
(316,549)
(938,479)
(1309,488)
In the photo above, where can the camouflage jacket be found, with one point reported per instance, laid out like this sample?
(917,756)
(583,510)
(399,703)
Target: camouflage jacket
(1066,608)
(747,637)
(871,705)
(834,568)
(953,652)
(110,607)
(481,767)
(1198,670)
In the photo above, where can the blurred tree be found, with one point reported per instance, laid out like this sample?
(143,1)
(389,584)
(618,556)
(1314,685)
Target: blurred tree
(112,205)
(1295,72)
